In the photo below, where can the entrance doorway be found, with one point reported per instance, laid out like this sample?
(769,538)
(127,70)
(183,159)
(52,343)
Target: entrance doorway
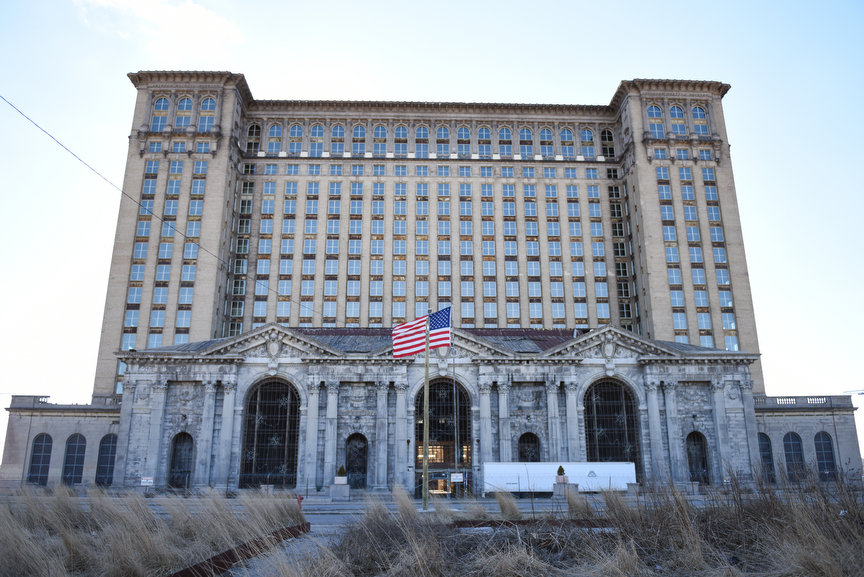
(355,460)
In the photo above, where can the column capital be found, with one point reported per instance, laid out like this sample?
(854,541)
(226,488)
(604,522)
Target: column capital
(717,384)
(332,387)
(209,387)
(382,386)
(552,386)
(401,386)
(670,384)
(571,386)
(484,386)
(129,385)
(312,386)
(160,385)
(651,385)
(503,387)
(230,385)
(746,384)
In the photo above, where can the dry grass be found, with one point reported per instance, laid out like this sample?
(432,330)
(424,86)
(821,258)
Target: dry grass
(58,534)
(507,504)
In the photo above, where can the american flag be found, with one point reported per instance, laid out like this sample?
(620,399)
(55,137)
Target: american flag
(410,338)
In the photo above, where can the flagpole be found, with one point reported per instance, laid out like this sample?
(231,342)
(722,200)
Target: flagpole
(426,424)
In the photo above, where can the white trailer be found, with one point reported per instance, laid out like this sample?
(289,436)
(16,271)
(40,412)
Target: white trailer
(540,477)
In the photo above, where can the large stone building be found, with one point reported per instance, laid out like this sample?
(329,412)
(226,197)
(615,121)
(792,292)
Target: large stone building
(592,255)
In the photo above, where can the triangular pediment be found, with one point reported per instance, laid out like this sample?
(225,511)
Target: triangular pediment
(271,340)
(610,342)
(462,344)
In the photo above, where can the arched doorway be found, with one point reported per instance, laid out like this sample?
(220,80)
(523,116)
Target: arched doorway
(697,457)
(355,460)
(182,461)
(449,437)
(529,448)
(612,424)
(271,429)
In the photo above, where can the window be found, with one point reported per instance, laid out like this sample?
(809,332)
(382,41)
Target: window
(794,452)
(40,459)
(105,460)
(825,464)
(73,462)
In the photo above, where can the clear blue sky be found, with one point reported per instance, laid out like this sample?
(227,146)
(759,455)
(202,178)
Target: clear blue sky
(792,115)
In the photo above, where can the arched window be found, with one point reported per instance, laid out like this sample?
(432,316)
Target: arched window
(529,448)
(40,459)
(504,133)
(317,131)
(184,113)
(253,139)
(449,429)
(421,133)
(463,142)
(105,460)
(338,131)
(607,141)
(463,133)
(182,461)
(484,146)
(443,133)
(73,462)
(587,143)
(825,456)
(207,118)
(379,132)
(567,148)
(358,140)
(359,131)
(547,148)
(526,144)
(677,116)
(700,121)
(296,131)
(697,457)
(160,115)
(525,134)
(655,122)
(546,135)
(401,132)
(274,139)
(337,140)
(484,134)
(612,424)
(794,451)
(271,430)
(356,457)
(766,456)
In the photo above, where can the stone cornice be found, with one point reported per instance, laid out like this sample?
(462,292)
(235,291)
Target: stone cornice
(703,87)
(185,77)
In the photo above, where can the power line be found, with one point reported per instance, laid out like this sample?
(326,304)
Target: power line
(302,304)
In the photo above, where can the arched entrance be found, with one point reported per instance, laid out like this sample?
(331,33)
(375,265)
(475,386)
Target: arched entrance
(529,448)
(182,459)
(612,424)
(355,460)
(697,457)
(271,429)
(449,438)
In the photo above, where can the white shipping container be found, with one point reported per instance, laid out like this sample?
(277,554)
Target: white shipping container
(540,477)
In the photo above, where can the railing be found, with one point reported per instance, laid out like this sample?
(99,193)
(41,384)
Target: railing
(825,402)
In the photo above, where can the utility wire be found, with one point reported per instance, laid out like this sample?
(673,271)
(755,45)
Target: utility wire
(302,304)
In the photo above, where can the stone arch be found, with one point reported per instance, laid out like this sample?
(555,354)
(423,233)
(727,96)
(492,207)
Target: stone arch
(182,461)
(529,448)
(450,426)
(270,434)
(613,424)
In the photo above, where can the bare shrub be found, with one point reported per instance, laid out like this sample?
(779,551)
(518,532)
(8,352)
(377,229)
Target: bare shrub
(507,504)
(578,506)
(405,504)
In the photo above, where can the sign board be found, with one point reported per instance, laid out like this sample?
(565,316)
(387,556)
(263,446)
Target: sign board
(457,477)
(146,481)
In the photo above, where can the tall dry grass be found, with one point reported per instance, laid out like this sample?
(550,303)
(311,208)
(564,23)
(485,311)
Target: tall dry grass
(59,534)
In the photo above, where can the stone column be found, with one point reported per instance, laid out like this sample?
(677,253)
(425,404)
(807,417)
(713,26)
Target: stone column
(505,445)
(310,458)
(205,439)
(553,420)
(381,435)
(158,392)
(403,456)
(120,473)
(721,428)
(755,459)
(330,432)
(485,424)
(677,467)
(222,472)
(658,470)
(574,449)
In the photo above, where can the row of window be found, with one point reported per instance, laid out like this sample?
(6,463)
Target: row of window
(73,460)
(183,114)
(793,451)
(676,122)
(421,189)
(381,145)
(548,172)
